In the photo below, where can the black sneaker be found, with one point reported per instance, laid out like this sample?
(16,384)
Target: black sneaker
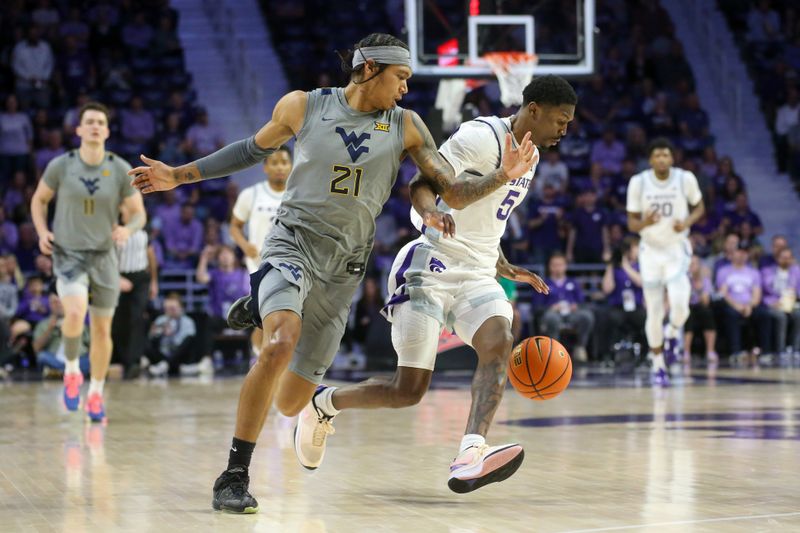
(230,492)
(240,316)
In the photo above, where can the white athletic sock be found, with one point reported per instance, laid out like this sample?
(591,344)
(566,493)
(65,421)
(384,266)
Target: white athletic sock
(324,401)
(72,367)
(471,439)
(658,361)
(671,331)
(96,385)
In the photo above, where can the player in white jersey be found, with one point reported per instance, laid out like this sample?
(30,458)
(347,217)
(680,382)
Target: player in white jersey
(658,209)
(438,282)
(257,206)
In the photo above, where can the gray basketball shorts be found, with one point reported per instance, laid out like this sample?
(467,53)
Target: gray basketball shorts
(97,270)
(285,284)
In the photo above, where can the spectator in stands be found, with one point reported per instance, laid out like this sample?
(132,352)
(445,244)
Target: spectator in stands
(32,61)
(780,283)
(622,286)
(705,234)
(9,236)
(47,342)
(660,122)
(171,339)
(779,243)
(725,257)
(763,24)
(739,284)
(575,147)
(76,72)
(701,317)
(552,170)
(137,125)
(587,240)
(165,39)
(709,167)
(75,27)
(45,16)
(27,247)
(597,102)
(601,182)
(184,240)
(723,176)
(105,34)
(609,152)
(16,139)
(203,138)
(138,34)
(227,282)
(54,147)
(545,225)
(15,195)
(788,116)
(44,270)
(168,212)
(742,213)
(172,146)
(564,307)
(34,305)
(177,105)
(9,297)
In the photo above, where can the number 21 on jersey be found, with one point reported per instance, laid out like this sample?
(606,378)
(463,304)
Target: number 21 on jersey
(340,180)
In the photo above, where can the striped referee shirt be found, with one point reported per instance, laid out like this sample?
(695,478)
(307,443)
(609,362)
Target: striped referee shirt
(133,255)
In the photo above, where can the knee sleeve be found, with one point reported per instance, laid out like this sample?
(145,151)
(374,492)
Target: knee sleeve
(415,337)
(679,292)
(654,324)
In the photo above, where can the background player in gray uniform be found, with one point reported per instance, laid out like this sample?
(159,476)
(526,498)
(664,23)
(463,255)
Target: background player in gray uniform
(349,145)
(92,186)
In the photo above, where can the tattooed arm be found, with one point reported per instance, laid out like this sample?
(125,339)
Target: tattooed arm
(467,188)
(423,199)
(287,119)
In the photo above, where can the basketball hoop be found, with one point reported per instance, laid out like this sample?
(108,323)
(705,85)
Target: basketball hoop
(514,71)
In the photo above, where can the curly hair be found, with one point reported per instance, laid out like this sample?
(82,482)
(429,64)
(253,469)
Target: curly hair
(549,90)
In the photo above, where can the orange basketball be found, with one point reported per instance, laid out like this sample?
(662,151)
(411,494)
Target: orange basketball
(539,368)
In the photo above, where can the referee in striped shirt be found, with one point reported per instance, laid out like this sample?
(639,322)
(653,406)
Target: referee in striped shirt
(138,284)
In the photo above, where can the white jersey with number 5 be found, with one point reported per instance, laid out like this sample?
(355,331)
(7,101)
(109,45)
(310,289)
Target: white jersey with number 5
(671,198)
(477,148)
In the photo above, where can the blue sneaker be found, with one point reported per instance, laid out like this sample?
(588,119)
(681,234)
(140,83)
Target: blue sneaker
(660,378)
(94,408)
(72,390)
(671,347)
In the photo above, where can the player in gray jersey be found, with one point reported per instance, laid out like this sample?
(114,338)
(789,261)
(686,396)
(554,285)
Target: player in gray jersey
(350,142)
(92,186)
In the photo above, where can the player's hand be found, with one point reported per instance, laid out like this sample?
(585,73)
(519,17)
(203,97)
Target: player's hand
(679,226)
(155,176)
(120,235)
(522,275)
(46,243)
(442,222)
(651,217)
(518,161)
(250,250)
(125,285)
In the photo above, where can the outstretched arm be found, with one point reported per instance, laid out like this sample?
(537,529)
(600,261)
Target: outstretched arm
(517,273)
(287,119)
(467,188)
(424,201)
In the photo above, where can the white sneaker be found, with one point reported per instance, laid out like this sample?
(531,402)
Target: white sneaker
(206,366)
(159,369)
(480,465)
(311,434)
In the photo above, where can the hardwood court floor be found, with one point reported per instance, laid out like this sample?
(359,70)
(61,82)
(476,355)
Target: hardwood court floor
(717,455)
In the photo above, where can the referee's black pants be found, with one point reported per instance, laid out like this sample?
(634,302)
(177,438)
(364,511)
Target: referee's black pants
(129,330)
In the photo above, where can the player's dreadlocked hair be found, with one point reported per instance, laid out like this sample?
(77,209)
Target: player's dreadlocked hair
(549,90)
(373,39)
(659,143)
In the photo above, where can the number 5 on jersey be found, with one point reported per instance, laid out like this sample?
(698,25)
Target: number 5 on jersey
(341,174)
(507,205)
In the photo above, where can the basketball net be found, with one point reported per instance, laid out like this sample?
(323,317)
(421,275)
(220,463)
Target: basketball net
(514,71)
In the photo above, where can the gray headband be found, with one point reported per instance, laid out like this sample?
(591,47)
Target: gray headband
(387,55)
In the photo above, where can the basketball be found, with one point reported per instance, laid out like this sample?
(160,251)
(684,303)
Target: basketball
(539,368)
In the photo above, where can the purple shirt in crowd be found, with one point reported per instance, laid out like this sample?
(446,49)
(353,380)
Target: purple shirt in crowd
(609,156)
(588,228)
(224,288)
(623,282)
(774,281)
(9,236)
(698,293)
(16,132)
(565,290)
(740,282)
(169,215)
(33,309)
(137,125)
(182,237)
(545,236)
(736,219)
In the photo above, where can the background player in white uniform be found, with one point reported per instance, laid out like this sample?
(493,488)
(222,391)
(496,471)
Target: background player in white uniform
(440,282)
(257,206)
(658,209)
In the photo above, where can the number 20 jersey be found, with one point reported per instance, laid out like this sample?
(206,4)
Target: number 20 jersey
(476,148)
(670,197)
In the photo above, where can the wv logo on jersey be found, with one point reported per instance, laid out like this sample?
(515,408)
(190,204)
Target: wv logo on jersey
(90,184)
(294,270)
(436,266)
(353,143)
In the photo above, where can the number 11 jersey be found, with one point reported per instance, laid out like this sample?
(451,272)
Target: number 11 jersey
(476,148)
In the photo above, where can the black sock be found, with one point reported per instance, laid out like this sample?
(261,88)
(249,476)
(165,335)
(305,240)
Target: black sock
(240,454)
